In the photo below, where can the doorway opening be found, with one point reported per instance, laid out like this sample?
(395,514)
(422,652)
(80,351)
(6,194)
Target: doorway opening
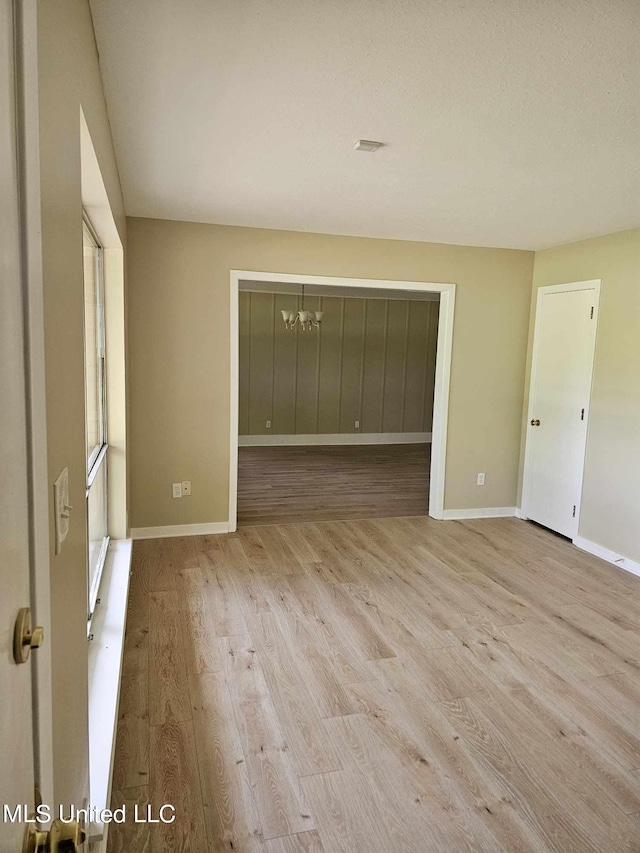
(343,419)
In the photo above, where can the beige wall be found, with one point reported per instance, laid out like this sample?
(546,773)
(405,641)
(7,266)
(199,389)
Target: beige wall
(69,79)
(179,353)
(610,511)
(371,360)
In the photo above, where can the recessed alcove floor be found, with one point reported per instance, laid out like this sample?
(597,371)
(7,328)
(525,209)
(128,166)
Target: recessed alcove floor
(329,483)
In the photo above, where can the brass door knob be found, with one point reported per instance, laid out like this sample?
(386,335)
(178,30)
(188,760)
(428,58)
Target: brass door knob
(66,836)
(25,639)
(35,840)
(535,422)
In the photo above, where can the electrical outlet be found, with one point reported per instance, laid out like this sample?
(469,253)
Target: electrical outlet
(177,490)
(186,488)
(268,424)
(357,424)
(480,480)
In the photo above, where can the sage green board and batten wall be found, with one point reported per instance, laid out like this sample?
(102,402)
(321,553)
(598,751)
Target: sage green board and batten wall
(373,360)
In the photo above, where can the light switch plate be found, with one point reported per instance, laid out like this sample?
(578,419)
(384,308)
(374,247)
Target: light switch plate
(61,508)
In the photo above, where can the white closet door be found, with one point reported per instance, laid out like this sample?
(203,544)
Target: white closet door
(561,385)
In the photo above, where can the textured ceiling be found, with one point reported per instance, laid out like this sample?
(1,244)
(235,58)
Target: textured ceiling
(505,122)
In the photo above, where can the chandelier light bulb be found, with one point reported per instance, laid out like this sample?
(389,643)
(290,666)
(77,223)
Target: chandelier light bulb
(303,318)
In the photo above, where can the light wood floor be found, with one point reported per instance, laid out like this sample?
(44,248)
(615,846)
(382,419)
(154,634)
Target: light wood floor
(277,485)
(378,686)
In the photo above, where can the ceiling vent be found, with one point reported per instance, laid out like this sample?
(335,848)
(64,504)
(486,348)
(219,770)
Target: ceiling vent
(367,145)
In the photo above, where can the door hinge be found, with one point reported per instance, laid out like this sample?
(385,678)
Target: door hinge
(582,415)
(591,318)
(574,512)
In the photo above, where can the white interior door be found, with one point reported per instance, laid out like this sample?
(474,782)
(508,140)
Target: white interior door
(16,722)
(562,367)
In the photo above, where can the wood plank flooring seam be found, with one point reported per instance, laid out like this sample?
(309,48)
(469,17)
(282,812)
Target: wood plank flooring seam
(541,753)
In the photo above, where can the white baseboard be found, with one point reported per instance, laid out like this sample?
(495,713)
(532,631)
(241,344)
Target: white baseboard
(481,512)
(606,554)
(335,438)
(212,527)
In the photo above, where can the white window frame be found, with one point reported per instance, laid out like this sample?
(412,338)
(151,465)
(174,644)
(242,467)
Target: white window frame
(99,453)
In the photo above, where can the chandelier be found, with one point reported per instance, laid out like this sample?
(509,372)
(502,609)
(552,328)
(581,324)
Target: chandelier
(304,319)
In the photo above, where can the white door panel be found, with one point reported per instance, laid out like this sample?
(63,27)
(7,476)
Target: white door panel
(561,385)
(16,723)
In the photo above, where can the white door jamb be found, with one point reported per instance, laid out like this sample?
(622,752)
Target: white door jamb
(443,369)
(29,170)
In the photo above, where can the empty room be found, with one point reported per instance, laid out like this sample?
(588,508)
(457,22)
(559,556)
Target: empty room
(319,448)
(335,412)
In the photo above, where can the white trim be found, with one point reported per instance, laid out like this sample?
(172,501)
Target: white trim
(295,290)
(234,398)
(443,370)
(439,426)
(212,527)
(593,284)
(31,214)
(481,512)
(606,554)
(105,670)
(334,438)
(95,465)
(95,585)
(336,281)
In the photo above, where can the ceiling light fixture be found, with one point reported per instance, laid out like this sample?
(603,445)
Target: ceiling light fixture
(305,319)
(367,145)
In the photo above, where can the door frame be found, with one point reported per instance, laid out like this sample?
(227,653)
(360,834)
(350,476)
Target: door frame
(592,284)
(442,377)
(28,144)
